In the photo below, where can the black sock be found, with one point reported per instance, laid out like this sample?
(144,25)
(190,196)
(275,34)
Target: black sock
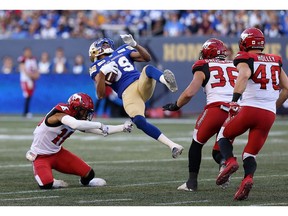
(249,165)
(192,182)
(226,148)
(217,156)
(195,156)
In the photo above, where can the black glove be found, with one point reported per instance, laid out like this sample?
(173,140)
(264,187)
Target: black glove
(171,106)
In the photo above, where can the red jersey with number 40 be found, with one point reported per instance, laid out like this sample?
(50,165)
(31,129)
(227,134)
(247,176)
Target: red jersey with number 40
(220,77)
(262,89)
(49,138)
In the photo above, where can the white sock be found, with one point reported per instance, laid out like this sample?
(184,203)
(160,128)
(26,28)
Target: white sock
(166,141)
(115,129)
(162,80)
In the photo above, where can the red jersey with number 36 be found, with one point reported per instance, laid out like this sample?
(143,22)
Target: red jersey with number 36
(220,77)
(49,138)
(262,89)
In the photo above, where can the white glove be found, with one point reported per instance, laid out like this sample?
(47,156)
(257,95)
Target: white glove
(110,67)
(128,126)
(104,129)
(31,156)
(128,39)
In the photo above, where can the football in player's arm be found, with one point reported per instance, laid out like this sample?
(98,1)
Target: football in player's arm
(47,153)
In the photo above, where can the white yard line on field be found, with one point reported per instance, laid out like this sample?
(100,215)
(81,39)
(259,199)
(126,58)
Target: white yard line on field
(183,202)
(103,200)
(29,198)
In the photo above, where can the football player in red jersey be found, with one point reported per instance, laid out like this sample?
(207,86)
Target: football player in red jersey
(135,88)
(256,90)
(47,153)
(217,77)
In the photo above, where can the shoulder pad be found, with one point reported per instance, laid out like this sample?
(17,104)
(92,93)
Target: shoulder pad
(198,65)
(62,107)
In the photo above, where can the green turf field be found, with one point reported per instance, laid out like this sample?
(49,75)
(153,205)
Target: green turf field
(139,170)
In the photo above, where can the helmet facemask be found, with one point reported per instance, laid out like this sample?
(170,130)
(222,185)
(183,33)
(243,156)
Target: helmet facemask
(100,47)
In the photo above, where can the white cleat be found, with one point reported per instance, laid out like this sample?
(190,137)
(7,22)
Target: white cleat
(59,184)
(97,182)
(177,150)
(184,187)
(171,81)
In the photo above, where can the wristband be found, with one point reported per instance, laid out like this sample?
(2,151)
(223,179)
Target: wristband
(236,96)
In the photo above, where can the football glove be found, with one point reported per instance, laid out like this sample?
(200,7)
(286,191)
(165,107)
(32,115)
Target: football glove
(104,129)
(128,126)
(31,156)
(128,39)
(234,108)
(171,107)
(110,67)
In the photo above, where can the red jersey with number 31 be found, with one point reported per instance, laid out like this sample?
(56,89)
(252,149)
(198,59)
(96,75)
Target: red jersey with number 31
(262,89)
(220,77)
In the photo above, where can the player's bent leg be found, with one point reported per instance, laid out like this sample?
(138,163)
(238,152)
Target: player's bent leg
(154,132)
(142,124)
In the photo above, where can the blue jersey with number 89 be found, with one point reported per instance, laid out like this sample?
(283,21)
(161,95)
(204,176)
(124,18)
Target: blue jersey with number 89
(128,73)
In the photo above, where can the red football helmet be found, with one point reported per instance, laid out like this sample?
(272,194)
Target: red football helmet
(251,38)
(81,106)
(213,48)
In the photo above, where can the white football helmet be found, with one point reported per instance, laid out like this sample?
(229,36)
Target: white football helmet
(99,47)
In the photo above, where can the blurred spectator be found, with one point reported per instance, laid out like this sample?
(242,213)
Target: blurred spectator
(29,73)
(18,32)
(173,27)
(79,65)
(193,27)
(206,25)
(63,28)
(45,65)
(48,31)
(60,63)
(8,66)
(158,27)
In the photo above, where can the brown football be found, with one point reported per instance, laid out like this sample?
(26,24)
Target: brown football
(110,78)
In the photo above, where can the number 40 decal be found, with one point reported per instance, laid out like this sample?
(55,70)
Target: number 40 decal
(260,76)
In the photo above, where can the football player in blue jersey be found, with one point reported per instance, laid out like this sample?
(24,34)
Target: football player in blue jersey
(131,85)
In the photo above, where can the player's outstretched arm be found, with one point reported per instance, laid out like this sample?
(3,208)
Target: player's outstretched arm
(112,129)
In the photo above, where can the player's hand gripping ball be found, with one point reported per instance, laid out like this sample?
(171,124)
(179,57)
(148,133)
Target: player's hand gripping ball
(110,71)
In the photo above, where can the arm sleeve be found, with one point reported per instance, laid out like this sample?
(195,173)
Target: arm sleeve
(80,124)
(111,129)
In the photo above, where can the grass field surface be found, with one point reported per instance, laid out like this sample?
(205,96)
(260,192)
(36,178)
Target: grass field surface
(140,171)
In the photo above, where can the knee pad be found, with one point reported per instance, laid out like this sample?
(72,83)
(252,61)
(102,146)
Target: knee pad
(86,180)
(46,186)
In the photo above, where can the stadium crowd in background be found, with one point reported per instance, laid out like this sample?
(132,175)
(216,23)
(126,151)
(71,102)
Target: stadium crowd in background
(49,24)
(88,24)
